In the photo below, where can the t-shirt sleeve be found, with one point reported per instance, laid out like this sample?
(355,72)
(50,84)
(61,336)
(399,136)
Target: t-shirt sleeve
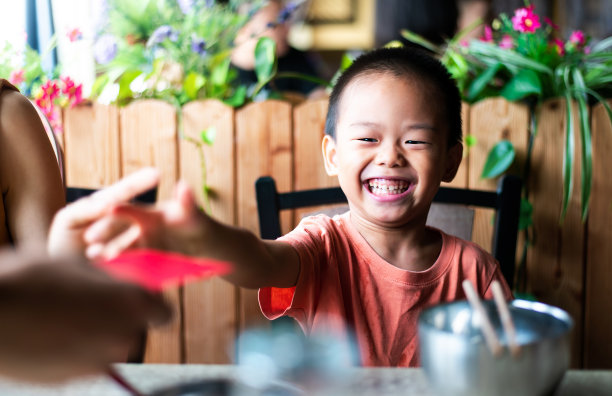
(309,241)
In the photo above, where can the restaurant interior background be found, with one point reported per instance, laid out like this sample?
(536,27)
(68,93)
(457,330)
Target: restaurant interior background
(330,29)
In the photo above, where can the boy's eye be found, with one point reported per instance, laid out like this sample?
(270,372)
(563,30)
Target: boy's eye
(415,142)
(369,140)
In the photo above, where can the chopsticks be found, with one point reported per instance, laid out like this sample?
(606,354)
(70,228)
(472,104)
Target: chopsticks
(488,331)
(506,319)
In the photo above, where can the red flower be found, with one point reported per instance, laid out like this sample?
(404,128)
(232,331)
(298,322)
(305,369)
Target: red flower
(16,77)
(74,35)
(525,20)
(559,46)
(551,23)
(488,35)
(72,91)
(50,90)
(506,42)
(577,37)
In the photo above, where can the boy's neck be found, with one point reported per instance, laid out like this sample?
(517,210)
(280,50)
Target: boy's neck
(413,247)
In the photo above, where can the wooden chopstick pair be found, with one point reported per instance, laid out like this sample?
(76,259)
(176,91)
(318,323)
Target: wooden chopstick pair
(487,328)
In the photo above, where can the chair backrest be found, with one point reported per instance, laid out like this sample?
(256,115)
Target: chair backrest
(505,201)
(74,193)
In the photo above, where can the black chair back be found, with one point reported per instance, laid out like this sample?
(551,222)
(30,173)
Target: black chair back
(505,201)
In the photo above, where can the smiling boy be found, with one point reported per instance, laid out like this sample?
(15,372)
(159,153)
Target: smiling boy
(393,133)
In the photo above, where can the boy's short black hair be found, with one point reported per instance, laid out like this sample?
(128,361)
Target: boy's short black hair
(408,63)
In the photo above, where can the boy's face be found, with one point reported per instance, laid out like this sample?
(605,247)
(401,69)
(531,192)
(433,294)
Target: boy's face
(390,152)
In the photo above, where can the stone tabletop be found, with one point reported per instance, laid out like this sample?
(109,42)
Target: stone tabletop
(361,381)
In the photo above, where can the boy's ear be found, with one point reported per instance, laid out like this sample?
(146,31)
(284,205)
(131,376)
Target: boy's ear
(453,160)
(329,155)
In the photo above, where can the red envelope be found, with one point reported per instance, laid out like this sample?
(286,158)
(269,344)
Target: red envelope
(157,270)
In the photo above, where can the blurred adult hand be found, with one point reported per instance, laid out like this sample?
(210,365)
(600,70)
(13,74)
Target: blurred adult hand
(62,318)
(69,224)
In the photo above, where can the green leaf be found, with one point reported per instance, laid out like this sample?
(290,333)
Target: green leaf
(99,85)
(470,140)
(219,74)
(587,148)
(208,135)
(192,84)
(417,39)
(265,59)
(525,83)
(345,62)
(525,215)
(238,98)
(481,81)
(124,83)
(499,159)
(568,155)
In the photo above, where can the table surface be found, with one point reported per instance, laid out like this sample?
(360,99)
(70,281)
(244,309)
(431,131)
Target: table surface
(363,381)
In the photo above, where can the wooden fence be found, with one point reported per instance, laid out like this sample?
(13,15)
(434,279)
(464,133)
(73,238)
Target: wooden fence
(569,265)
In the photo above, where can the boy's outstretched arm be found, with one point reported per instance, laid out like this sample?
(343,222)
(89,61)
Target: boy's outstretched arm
(178,225)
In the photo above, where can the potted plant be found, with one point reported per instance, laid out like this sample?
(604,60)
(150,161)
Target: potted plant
(522,58)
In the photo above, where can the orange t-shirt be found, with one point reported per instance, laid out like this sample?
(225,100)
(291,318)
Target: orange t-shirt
(346,287)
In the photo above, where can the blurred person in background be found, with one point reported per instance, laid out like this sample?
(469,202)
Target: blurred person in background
(273,21)
(436,21)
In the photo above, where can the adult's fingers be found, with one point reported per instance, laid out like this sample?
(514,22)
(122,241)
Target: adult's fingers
(86,210)
(112,248)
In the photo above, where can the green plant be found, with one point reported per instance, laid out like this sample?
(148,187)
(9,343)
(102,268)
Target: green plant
(176,51)
(522,59)
(46,89)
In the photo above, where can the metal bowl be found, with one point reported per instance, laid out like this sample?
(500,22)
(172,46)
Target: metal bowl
(457,361)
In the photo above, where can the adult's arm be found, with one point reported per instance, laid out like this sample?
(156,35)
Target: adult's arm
(30,177)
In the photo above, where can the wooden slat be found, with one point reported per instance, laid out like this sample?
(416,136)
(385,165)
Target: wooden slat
(149,138)
(210,306)
(490,121)
(461,179)
(598,321)
(555,261)
(308,164)
(263,147)
(91,145)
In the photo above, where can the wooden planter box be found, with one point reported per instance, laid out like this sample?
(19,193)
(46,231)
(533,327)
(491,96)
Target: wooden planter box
(568,266)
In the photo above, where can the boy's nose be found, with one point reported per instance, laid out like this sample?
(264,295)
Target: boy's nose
(391,156)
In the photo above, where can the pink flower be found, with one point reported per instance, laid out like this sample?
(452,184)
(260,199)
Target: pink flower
(559,46)
(525,20)
(488,35)
(72,91)
(50,90)
(16,77)
(506,42)
(551,23)
(577,37)
(464,43)
(587,50)
(74,35)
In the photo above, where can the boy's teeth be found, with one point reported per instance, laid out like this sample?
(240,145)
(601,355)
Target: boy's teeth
(387,187)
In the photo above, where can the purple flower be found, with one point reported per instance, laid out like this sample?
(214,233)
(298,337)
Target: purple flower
(287,11)
(185,5)
(105,49)
(198,45)
(161,34)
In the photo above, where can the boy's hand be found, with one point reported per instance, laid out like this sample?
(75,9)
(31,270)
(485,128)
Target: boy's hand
(176,225)
(69,224)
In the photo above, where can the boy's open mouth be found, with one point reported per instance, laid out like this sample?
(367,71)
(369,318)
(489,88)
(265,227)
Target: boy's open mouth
(383,187)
